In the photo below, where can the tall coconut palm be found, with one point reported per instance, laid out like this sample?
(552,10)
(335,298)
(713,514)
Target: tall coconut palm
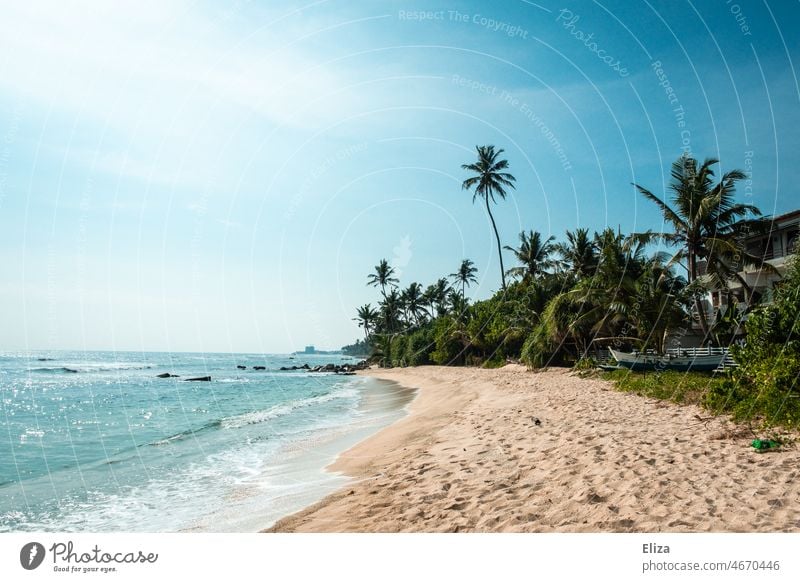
(706,223)
(490,180)
(533,254)
(382,277)
(465,275)
(578,253)
(366,316)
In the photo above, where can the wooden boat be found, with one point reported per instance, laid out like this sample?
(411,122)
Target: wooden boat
(641,362)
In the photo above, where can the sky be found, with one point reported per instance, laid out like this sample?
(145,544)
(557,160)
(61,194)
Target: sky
(223,176)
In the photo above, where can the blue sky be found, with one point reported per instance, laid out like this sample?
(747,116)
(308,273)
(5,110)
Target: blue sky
(195,176)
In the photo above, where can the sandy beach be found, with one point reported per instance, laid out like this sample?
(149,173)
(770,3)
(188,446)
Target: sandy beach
(472,457)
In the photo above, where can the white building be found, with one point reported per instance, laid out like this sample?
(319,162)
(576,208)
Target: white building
(774,244)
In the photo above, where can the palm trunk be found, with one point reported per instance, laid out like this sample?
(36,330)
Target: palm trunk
(698,305)
(499,248)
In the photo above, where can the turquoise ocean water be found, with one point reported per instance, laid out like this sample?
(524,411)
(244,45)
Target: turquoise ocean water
(94,441)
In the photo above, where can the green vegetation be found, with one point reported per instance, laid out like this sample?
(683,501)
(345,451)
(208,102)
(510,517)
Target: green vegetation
(766,385)
(564,296)
(359,349)
(707,227)
(680,387)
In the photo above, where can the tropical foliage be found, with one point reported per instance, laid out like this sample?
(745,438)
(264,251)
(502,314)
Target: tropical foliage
(708,227)
(550,315)
(568,298)
(766,385)
(533,254)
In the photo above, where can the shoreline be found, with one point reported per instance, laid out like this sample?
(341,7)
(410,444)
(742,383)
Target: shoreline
(306,461)
(469,456)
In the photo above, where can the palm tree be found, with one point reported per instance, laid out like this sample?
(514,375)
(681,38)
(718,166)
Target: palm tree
(533,253)
(366,316)
(465,275)
(579,253)
(598,305)
(660,303)
(706,223)
(382,277)
(435,297)
(390,309)
(456,303)
(489,181)
(412,298)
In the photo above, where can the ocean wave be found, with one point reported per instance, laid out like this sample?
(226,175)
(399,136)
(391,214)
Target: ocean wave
(279,410)
(89,368)
(185,433)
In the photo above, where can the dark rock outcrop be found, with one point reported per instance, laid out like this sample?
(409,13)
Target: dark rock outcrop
(167,375)
(259,367)
(242,367)
(199,379)
(346,369)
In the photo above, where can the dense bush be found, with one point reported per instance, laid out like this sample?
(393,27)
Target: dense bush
(766,385)
(537,351)
(398,350)
(419,347)
(449,336)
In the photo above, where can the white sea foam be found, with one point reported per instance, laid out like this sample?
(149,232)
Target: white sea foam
(283,409)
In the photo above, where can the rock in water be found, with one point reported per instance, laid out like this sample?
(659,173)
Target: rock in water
(200,379)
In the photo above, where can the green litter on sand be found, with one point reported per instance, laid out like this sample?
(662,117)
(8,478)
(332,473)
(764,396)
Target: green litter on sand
(764,444)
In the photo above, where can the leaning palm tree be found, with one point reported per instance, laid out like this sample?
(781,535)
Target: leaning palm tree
(489,181)
(366,316)
(382,277)
(465,275)
(706,223)
(533,254)
(600,305)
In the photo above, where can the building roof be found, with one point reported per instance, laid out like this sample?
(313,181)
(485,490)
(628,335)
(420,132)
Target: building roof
(785,216)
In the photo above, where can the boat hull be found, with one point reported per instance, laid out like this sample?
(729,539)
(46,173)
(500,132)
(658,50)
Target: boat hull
(648,362)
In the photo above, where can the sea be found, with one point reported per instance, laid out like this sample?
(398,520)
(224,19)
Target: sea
(97,442)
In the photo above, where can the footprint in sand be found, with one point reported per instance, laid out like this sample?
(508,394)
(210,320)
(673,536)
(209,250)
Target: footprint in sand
(455,507)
